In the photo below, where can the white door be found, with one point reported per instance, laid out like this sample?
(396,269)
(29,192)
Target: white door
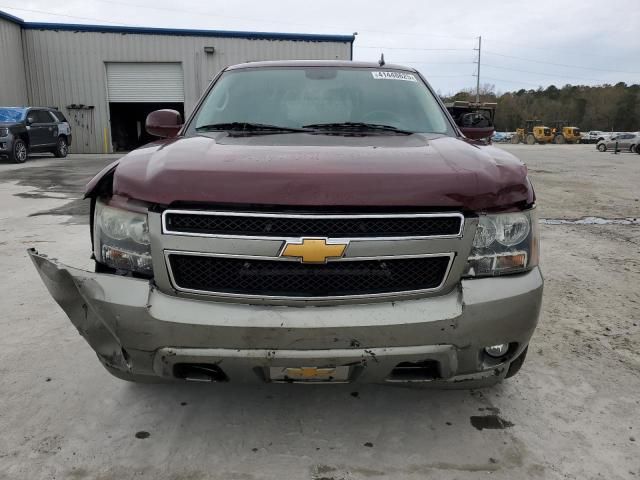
(145,82)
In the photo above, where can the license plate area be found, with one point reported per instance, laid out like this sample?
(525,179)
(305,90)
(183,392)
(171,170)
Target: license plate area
(309,374)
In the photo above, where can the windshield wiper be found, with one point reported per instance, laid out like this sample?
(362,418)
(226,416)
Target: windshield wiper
(357,127)
(247,127)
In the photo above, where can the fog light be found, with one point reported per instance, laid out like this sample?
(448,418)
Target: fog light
(497,351)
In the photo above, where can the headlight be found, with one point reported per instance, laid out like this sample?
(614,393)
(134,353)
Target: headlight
(4,132)
(504,243)
(121,239)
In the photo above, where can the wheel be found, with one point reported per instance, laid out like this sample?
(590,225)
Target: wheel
(515,139)
(531,140)
(19,151)
(559,139)
(602,147)
(638,149)
(516,364)
(62,149)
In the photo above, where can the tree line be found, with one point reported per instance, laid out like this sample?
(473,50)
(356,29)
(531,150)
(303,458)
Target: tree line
(602,107)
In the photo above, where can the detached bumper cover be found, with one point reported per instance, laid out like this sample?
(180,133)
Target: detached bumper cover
(137,330)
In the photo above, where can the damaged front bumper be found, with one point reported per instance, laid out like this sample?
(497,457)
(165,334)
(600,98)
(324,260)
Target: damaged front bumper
(141,333)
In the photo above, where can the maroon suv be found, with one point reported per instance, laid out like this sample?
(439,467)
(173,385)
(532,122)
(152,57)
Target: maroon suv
(310,222)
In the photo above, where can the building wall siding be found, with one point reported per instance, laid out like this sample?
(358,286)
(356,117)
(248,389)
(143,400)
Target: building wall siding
(13,82)
(67,67)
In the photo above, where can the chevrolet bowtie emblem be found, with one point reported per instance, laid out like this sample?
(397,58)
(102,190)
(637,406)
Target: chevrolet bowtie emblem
(314,250)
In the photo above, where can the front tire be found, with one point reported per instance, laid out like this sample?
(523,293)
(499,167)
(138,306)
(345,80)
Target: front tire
(19,152)
(602,147)
(62,148)
(531,140)
(515,140)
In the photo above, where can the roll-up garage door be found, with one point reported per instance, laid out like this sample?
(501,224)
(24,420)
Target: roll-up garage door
(145,82)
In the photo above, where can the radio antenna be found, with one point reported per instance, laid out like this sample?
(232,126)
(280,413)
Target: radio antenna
(381,61)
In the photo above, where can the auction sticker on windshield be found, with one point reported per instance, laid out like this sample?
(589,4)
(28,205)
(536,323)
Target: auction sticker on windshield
(407,77)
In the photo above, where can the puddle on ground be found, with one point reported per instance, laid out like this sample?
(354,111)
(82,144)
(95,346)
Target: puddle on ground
(490,422)
(591,221)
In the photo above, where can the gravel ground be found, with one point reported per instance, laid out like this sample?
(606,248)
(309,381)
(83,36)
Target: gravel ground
(572,413)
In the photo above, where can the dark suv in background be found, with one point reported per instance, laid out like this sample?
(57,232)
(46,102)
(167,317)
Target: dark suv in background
(33,129)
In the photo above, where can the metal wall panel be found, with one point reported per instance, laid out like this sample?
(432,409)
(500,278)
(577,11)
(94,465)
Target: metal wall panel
(13,83)
(68,68)
(145,82)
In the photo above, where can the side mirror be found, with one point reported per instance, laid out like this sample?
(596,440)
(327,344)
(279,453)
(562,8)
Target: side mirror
(30,120)
(163,123)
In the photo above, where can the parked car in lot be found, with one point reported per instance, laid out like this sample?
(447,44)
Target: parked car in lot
(624,142)
(33,129)
(501,137)
(312,221)
(593,136)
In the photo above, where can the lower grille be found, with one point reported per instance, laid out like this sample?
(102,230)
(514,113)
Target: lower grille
(292,279)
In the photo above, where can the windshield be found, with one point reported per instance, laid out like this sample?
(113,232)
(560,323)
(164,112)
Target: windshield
(11,114)
(298,97)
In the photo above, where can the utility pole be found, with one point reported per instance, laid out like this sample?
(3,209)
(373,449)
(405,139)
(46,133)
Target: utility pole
(478,74)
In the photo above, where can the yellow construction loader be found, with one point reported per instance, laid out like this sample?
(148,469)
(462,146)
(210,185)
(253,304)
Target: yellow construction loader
(532,133)
(564,134)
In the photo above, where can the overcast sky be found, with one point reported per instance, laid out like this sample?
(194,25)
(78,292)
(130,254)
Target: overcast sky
(524,44)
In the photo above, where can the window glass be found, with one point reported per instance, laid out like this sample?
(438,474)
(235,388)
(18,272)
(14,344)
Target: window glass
(297,96)
(41,116)
(12,114)
(58,115)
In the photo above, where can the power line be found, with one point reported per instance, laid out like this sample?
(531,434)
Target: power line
(64,15)
(261,20)
(445,76)
(433,63)
(545,49)
(544,74)
(560,64)
(518,82)
(416,48)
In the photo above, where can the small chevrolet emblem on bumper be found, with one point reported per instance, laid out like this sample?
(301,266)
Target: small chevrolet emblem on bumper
(309,372)
(314,250)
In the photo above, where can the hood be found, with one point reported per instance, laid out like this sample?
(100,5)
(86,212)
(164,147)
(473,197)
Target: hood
(301,170)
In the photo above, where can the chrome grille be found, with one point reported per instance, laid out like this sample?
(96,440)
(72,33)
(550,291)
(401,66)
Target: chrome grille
(205,223)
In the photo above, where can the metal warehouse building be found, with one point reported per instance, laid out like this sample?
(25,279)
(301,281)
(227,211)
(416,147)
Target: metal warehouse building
(107,79)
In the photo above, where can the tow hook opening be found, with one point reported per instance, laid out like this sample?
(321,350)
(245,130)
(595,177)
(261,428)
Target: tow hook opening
(424,371)
(199,372)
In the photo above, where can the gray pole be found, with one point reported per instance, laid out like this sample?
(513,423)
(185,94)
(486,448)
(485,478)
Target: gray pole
(478,76)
